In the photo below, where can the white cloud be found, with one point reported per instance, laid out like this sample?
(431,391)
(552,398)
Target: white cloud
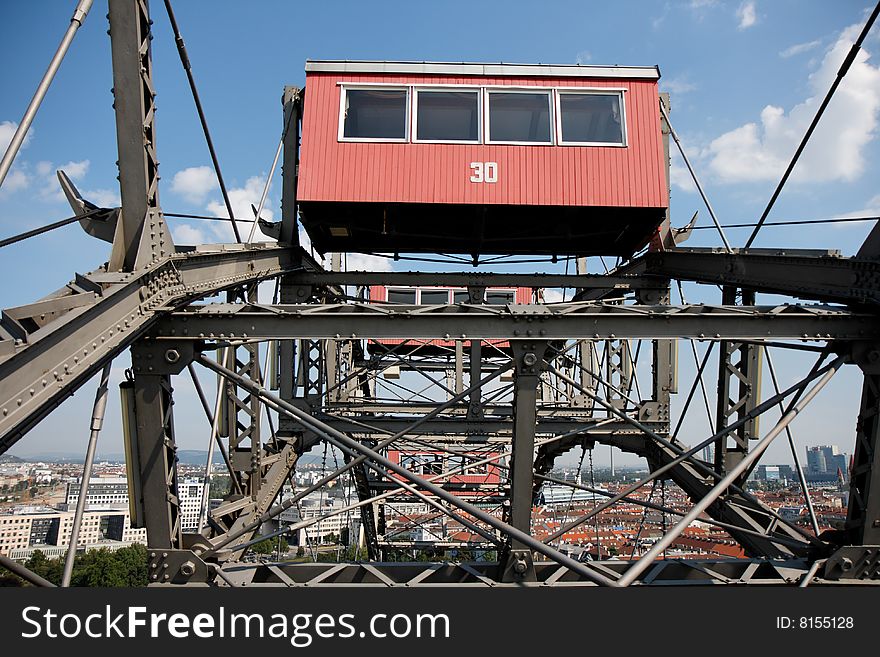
(700,8)
(362,261)
(51,188)
(242,198)
(105,198)
(186,234)
(7,130)
(679,176)
(304,240)
(75,170)
(195,183)
(799,48)
(553,295)
(678,85)
(761,150)
(583,57)
(15,180)
(746,14)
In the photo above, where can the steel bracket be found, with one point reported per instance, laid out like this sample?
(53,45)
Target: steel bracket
(152,357)
(519,567)
(856,562)
(176,567)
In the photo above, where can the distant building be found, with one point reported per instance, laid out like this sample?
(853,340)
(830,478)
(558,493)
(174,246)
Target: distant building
(824,462)
(102,493)
(790,513)
(556,494)
(32,528)
(782,473)
(112,493)
(315,506)
(190,493)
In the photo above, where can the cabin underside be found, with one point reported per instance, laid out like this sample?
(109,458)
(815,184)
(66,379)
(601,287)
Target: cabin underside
(478,229)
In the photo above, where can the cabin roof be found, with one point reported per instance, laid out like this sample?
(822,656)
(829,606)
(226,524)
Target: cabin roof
(483,69)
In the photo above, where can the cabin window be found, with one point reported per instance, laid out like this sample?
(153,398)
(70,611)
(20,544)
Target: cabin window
(435,297)
(375,114)
(398,295)
(425,464)
(519,117)
(447,115)
(591,118)
(461,296)
(457,462)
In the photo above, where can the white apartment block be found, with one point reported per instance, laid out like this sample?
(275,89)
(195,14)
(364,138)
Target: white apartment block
(190,493)
(47,528)
(102,493)
(312,507)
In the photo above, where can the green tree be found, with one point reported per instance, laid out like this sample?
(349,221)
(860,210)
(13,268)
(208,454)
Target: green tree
(50,569)
(269,546)
(126,567)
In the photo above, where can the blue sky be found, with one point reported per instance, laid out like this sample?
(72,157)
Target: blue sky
(744,79)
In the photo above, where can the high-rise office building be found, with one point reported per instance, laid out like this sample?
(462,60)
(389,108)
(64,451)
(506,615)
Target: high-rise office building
(824,462)
(190,492)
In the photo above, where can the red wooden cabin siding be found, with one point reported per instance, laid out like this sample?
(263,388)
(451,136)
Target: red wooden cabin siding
(523,295)
(491,475)
(600,176)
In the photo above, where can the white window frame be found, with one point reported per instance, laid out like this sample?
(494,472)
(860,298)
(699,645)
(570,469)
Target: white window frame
(433,289)
(343,93)
(592,91)
(451,88)
(402,288)
(504,290)
(487,128)
(452,292)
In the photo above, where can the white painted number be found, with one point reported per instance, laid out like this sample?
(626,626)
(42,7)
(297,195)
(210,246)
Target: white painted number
(484,172)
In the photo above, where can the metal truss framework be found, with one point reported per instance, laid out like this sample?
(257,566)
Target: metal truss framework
(508,387)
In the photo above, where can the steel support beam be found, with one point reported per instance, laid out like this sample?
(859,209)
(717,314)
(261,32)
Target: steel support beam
(141,235)
(377,461)
(464,430)
(48,364)
(157,458)
(739,392)
(557,322)
(863,514)
(242,418)
(528,357)
(465,576)
(794,409)
(818,275)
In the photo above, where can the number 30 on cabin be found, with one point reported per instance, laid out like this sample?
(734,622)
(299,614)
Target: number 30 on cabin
(484,172)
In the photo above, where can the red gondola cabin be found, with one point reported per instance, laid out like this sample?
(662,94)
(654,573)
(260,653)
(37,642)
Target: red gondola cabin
(481,158)
(408,295)
(465,484)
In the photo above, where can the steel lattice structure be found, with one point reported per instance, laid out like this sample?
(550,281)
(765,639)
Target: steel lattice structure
(565,377)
